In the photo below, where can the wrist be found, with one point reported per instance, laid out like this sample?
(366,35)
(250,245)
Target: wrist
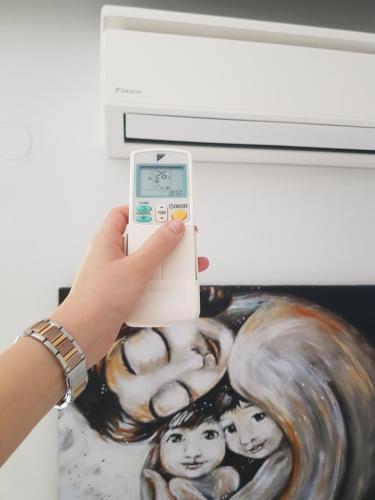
(94,332)
(76,326)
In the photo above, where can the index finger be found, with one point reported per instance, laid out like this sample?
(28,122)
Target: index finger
(116,221)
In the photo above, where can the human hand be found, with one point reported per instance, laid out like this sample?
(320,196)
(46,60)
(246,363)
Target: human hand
(109,284)
(185,489)
(154,486)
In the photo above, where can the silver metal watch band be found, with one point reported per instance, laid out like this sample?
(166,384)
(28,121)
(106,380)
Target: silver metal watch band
(71,357)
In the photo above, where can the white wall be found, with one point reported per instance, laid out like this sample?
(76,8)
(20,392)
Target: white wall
(258,224)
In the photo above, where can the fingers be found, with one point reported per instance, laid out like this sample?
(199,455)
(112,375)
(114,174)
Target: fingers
(203,264)
(160,244)
(116,221)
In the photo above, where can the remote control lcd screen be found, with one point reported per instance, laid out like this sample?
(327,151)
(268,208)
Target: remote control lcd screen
(161,181)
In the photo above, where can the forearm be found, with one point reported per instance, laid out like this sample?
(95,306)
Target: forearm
(32,381)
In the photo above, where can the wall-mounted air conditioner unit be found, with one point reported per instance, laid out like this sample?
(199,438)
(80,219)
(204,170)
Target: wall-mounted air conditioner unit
(237,90)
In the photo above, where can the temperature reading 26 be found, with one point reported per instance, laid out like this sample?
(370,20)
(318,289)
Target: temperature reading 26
(160,174)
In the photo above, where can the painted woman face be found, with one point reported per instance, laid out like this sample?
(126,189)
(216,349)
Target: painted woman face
(157,372)
(250,432)
(192,452)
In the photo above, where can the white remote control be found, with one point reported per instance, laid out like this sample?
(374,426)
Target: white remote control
(161,190)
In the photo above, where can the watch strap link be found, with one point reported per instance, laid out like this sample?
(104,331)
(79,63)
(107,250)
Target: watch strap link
(71,357)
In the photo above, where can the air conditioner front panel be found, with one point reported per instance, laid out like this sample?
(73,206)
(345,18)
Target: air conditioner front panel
(226,132)
(211,77)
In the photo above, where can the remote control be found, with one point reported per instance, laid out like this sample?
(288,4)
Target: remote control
(161,190)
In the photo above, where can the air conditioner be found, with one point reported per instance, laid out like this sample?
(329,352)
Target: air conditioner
(237,90)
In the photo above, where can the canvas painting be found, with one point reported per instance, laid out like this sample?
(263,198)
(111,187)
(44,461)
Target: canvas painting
(270,394)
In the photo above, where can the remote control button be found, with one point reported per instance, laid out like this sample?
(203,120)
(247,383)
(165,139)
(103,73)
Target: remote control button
(161,213)
(179,215)
(144,218)
(144,209)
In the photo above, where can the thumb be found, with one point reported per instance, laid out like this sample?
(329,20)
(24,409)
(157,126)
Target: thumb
(159,245)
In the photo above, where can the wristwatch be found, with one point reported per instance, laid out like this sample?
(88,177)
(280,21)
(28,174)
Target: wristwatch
(66,350)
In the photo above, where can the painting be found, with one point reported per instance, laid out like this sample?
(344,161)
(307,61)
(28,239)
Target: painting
(270,394)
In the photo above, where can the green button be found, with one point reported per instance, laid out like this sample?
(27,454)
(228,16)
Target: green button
(144,218)
(143,209)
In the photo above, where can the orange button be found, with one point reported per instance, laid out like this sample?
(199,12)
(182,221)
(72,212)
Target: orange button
(179,215)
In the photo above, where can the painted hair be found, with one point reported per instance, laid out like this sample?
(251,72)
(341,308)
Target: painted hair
(314,375)
(101,407)
(227,398)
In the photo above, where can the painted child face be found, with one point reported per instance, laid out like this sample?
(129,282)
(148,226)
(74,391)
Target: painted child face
(192,452)
(250,432)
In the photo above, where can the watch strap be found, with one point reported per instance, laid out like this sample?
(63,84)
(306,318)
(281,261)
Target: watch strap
(67,351)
